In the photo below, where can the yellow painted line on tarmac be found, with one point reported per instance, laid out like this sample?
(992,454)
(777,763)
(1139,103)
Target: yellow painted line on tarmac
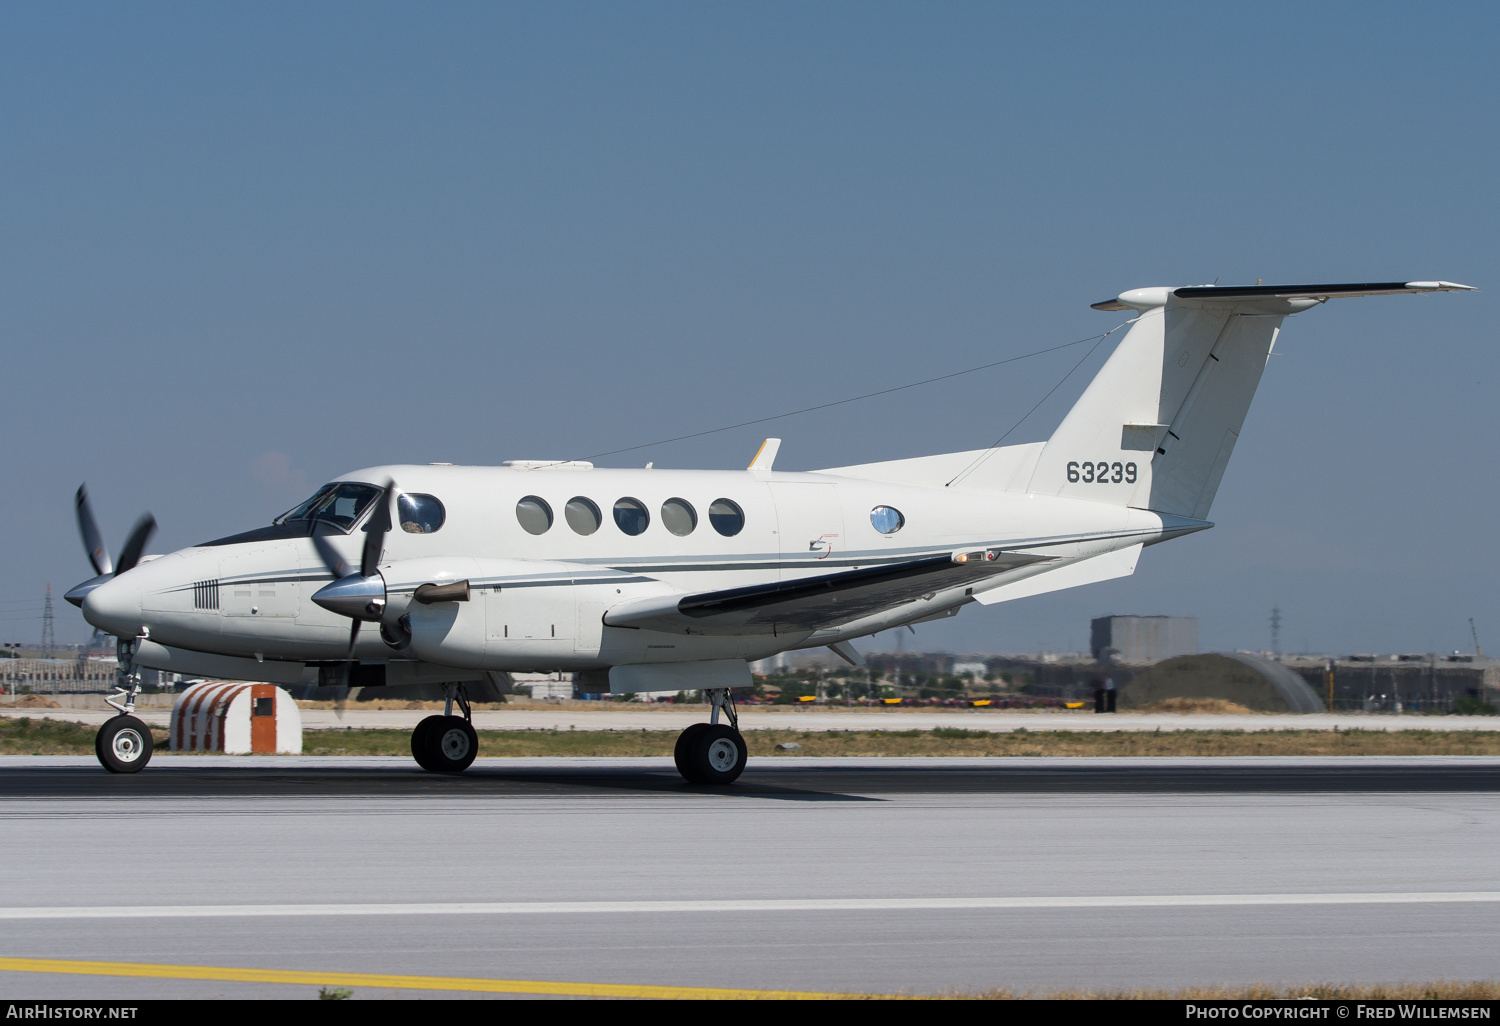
(146,970)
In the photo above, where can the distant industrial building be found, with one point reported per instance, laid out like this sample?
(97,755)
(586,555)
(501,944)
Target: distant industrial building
(1142,639)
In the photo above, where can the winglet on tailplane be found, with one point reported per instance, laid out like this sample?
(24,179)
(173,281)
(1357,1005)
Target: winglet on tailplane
(1156,426)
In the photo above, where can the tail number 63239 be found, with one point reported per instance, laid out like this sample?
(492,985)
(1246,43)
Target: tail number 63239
(1102,472)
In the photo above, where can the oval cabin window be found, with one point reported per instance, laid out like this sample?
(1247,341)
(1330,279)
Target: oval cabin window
(420,514)
(679,517)
(534,515)
(631,517)
(728,519)
(887,519)
(582,515)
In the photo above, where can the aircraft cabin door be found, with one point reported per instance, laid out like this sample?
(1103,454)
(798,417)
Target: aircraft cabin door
(810,528)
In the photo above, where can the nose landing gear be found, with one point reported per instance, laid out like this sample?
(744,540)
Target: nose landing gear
(712,752)
(123,744)
(447,743)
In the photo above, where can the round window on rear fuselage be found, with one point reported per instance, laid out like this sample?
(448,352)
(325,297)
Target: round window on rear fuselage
(887,519)
(582,515)
(727,517)
(631,516)
(534,515)
(679,517)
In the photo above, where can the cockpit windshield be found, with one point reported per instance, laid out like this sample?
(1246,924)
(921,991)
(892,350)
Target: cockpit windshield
(341,504)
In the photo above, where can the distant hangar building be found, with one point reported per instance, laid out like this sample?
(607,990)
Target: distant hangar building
(1143,639)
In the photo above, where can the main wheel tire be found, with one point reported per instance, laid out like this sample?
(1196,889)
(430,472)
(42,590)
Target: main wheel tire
(123,745)
(682,753)
(718,755)
(419,745)
(448,746)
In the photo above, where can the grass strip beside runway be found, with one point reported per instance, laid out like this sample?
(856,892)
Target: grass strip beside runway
(383,981)
(31,736)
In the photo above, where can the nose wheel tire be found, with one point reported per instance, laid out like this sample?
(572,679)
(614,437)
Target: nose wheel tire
(711,753)
(123,745)
(444,744)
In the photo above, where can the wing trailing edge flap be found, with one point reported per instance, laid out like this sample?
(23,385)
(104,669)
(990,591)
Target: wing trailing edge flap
(815,603)
(1120,563)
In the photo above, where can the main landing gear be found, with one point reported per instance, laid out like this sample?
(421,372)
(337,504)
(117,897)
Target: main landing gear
(712,752)
(123,744)
(447,743)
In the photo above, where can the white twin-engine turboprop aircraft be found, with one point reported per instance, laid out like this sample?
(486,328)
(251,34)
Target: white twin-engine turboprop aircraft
(674,579)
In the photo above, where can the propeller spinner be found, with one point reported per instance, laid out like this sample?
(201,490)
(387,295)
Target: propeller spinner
(93,543)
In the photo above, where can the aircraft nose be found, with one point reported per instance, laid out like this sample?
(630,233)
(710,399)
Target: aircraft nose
(115,607)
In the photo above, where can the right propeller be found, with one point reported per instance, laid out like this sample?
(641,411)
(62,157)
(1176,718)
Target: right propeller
(93,543)
(357,593)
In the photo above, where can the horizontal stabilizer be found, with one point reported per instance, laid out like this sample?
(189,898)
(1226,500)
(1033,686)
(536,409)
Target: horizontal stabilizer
(1120,563)
(1317,292)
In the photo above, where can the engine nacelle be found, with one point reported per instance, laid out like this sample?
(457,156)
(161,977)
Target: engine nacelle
(514,613)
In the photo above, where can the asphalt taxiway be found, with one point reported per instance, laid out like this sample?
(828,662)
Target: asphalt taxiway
(917,875)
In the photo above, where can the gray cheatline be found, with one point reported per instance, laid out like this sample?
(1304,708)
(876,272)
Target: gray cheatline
(752,905)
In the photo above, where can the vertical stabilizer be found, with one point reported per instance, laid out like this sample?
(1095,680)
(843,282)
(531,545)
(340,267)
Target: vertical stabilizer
(1157,425)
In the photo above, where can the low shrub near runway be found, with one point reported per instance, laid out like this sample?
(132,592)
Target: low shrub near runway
(942,741)
(27,736)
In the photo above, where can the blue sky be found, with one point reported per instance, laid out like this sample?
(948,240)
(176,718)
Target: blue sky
(250,246)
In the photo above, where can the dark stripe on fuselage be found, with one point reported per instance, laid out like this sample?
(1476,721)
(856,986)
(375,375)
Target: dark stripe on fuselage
(668,564)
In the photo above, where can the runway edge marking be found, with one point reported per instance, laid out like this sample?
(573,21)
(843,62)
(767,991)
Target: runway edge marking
(747,905)
(313,978)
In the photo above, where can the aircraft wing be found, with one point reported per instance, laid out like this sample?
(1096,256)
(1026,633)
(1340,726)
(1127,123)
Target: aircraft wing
(814,603)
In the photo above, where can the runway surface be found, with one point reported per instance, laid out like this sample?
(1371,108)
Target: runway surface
(917,875)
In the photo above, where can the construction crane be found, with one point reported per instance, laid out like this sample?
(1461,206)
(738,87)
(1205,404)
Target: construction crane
(1477,650)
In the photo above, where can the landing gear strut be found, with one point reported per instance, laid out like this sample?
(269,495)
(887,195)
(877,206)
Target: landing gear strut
(123,744)
(712,752)
(447,743)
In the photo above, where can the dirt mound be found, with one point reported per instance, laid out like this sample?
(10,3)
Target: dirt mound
(1222,706)
(31,702)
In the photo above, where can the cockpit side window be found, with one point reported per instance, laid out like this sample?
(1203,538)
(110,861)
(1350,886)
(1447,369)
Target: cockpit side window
(340,504)
(420,514)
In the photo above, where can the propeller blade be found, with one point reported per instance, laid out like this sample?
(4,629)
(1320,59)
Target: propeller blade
(340,699)
(336,564)
(379,523)
(353,639)
(140,534)
(93,541)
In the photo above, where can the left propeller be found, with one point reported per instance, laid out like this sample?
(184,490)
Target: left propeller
(93,543)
